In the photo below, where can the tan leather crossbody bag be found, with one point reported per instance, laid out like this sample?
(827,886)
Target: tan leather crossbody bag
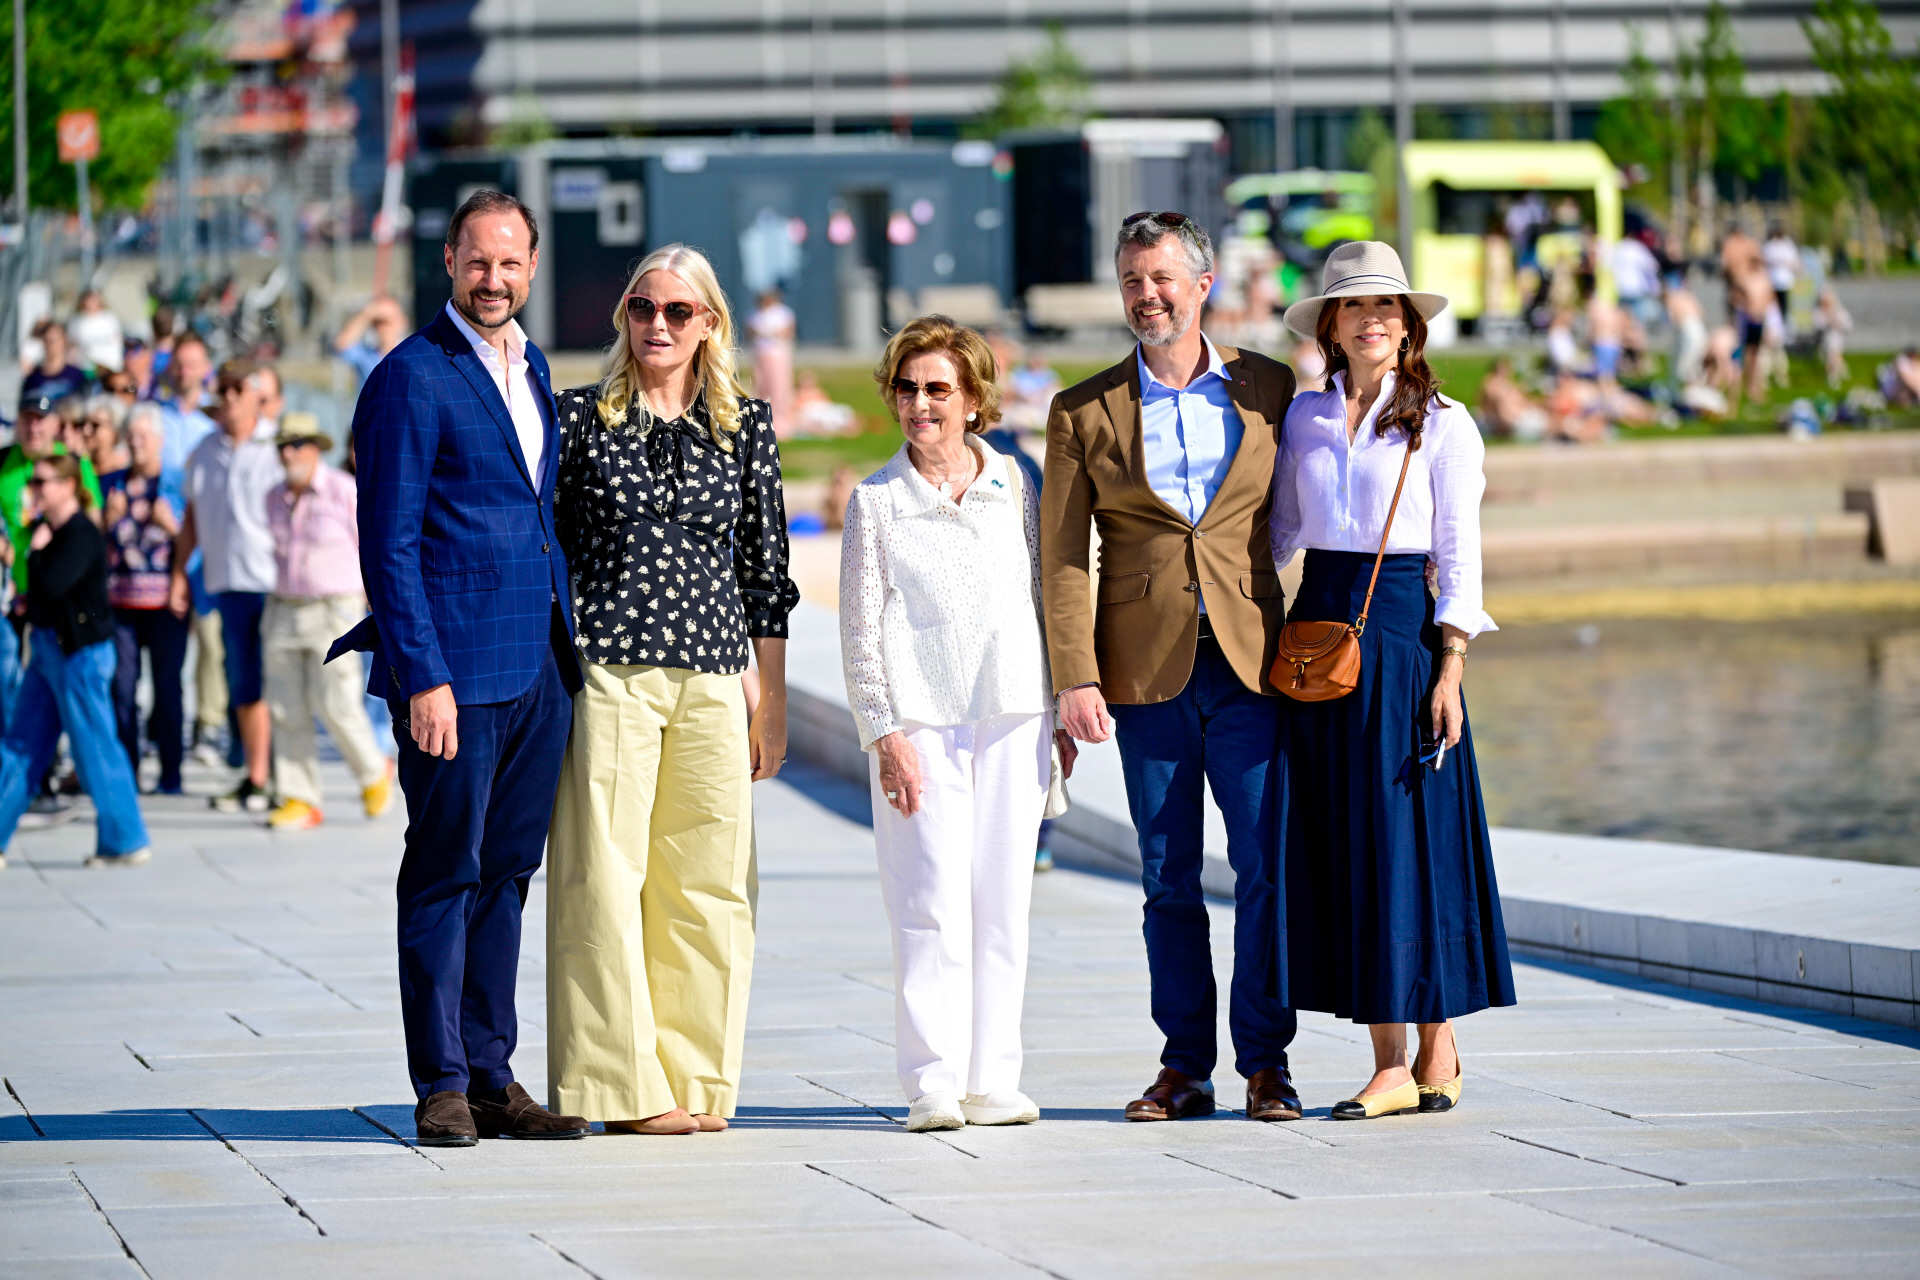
(1320,661)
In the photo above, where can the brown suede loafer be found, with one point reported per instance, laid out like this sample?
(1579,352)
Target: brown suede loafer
(1271,1095)
(1172,1096)
(444,1120)
(511,1113)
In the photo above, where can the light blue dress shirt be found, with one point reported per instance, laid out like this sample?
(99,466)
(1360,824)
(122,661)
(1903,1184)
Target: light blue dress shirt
(1190,435)
(182,428)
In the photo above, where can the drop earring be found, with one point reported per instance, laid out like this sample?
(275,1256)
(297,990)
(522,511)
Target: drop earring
(1406,345)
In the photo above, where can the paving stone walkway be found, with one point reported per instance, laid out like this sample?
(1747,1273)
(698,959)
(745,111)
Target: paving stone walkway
(204,1078)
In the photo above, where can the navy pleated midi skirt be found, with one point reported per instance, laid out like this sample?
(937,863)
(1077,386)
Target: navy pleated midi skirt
(1390,913)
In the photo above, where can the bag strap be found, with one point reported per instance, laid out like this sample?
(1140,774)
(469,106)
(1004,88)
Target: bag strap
(1360,623)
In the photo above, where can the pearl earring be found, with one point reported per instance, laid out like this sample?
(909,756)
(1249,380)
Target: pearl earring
(972,416)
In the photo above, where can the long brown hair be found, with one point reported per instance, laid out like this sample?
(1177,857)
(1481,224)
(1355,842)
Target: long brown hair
(67,467)
(1415,387)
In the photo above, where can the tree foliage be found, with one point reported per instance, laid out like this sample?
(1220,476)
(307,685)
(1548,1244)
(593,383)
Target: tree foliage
(1050,90)
(1865,132)
(126,60)
(1636,128)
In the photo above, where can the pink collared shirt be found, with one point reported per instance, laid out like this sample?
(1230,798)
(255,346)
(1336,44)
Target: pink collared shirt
(316,536)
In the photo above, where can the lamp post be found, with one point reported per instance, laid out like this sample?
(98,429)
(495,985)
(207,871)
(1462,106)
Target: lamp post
(1403,129)
(20,113)
(1282,86)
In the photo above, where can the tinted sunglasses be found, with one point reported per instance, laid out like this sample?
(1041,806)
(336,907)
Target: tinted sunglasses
(641,310)
(1170,219)
(907,389)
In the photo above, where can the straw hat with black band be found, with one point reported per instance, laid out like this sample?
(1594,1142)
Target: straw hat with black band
(1361,269)
(300,427)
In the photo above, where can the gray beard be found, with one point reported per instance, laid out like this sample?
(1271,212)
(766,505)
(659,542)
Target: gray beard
(1175,332)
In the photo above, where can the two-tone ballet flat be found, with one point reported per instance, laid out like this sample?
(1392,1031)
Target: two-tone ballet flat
(1442,1097)
(1371,1106)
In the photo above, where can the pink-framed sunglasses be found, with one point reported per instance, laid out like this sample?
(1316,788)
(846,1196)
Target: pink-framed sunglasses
(641,309)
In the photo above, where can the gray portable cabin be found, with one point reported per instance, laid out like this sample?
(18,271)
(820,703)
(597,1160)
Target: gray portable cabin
(855,231)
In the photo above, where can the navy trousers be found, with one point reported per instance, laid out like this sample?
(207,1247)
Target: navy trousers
(476,830)
(1216,733)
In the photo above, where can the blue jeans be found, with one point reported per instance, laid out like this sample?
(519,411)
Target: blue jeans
(1215,733)
(75,690)
(9,671)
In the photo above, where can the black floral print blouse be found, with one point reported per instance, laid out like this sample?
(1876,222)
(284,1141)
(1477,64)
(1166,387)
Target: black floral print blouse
(678,547)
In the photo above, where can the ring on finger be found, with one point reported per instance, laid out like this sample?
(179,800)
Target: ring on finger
(892,796)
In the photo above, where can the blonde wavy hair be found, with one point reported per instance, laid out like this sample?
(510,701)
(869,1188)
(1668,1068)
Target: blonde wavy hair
(716,379)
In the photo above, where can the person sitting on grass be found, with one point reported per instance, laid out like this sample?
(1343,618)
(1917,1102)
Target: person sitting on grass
(1505,410)
(1900,379)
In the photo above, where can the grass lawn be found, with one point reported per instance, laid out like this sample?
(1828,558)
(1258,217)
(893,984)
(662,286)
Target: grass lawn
(1460,377)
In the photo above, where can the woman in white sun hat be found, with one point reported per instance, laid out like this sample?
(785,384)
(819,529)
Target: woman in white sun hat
(1391,915)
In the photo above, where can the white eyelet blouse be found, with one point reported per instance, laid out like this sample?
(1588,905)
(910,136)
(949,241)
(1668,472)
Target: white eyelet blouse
(1333,496)
(940,601)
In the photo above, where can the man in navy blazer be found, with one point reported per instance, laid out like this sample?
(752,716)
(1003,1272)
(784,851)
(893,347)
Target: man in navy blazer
(471,643)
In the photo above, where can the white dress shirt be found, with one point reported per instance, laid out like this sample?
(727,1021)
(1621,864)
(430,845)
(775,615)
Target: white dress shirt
(513,379)
(940,601)
(1333,496)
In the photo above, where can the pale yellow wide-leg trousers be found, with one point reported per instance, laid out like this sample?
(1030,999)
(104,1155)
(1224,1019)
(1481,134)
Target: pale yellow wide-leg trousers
(651,887)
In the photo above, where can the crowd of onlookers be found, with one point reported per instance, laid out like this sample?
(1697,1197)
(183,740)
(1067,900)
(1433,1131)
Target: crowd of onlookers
(1655,353)
(170,522)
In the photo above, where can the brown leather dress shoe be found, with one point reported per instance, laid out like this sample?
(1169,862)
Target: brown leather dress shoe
(444,1120)
(511,1113)
(1271,1095)
(1172,1096)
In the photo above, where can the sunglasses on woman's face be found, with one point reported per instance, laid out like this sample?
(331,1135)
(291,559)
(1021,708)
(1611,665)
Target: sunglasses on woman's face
(641,310)
(907,389)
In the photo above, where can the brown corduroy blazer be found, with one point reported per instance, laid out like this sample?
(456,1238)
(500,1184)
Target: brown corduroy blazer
(1137,643)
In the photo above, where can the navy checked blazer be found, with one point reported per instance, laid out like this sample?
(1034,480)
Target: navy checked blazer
(465,577)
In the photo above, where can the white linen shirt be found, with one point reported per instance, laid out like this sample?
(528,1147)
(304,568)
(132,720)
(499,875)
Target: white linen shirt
(227,487)
(940,602)
(514,380)
(1330,495)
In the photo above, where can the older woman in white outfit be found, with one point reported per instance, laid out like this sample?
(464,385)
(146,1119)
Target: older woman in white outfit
(947,677)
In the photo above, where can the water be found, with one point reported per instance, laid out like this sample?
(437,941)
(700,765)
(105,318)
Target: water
(1797,737)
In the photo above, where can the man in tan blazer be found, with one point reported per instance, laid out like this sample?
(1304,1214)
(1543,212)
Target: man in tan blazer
(1170,454)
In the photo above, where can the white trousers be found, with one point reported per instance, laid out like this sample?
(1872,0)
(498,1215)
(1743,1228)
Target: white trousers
(301,683)
(957,879)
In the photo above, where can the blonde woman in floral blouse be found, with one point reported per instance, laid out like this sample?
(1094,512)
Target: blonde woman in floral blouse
(670,511)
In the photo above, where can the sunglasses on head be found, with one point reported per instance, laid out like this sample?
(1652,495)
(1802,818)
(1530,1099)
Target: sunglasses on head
(641,310)
(1169,219)
(907,389)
